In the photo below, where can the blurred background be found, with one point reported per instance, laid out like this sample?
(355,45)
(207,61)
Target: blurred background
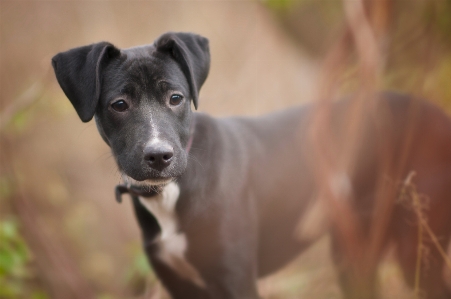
(62,235)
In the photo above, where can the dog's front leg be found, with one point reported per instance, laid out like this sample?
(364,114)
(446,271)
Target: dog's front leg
(227,265)
(223,277)
(220,259)
(177,286)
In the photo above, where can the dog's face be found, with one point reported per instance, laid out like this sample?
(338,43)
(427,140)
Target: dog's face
(144,114)
(140,98)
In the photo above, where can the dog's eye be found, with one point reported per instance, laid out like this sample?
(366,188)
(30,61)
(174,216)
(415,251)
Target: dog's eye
(175,100)
(119,106)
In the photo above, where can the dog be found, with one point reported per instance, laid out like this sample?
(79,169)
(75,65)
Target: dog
(219,201)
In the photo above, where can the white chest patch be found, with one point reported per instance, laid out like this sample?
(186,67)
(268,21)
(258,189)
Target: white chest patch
(172,243)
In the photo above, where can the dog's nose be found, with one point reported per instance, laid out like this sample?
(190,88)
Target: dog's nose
(158,155)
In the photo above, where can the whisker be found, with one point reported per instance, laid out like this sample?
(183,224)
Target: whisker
(104,156)
(196,160)
(198,148)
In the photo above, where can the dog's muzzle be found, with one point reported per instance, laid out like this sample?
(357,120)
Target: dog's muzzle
(149,191)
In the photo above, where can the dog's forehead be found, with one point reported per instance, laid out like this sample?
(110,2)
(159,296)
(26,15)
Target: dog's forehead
(146,61)
(143,69)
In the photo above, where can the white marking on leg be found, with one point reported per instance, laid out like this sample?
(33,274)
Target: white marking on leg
(172,244)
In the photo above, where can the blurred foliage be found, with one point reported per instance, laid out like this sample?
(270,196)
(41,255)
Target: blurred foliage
(139,275)
(279,5)
(313,24)
(15,274)
(20,121)
(416,47)
(419,51)
(5,188)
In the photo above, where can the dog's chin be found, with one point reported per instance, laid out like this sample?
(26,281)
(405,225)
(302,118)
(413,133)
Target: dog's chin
(129,181)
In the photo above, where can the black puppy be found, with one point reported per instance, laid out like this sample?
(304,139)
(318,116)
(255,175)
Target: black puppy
(219,201)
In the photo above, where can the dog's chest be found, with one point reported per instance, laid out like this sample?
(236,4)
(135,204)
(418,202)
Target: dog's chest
(172,243)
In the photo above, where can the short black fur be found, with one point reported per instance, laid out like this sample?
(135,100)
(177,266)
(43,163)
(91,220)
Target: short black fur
(247,183)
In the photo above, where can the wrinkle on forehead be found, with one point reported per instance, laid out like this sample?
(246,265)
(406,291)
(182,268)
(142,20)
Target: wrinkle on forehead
(145,72)
(153,72)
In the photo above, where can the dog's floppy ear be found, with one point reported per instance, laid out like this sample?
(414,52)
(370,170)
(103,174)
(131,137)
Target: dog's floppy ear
(79,73)
(192,53)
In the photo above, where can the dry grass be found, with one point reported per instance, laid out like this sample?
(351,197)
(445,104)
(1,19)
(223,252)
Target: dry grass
(412,200)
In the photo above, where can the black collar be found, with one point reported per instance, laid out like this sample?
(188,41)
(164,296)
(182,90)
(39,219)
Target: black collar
(136,191)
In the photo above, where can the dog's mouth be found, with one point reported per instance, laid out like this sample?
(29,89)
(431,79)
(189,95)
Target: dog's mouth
(147,183)
(145,188)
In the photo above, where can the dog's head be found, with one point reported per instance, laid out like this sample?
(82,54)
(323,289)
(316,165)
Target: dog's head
(140,98)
